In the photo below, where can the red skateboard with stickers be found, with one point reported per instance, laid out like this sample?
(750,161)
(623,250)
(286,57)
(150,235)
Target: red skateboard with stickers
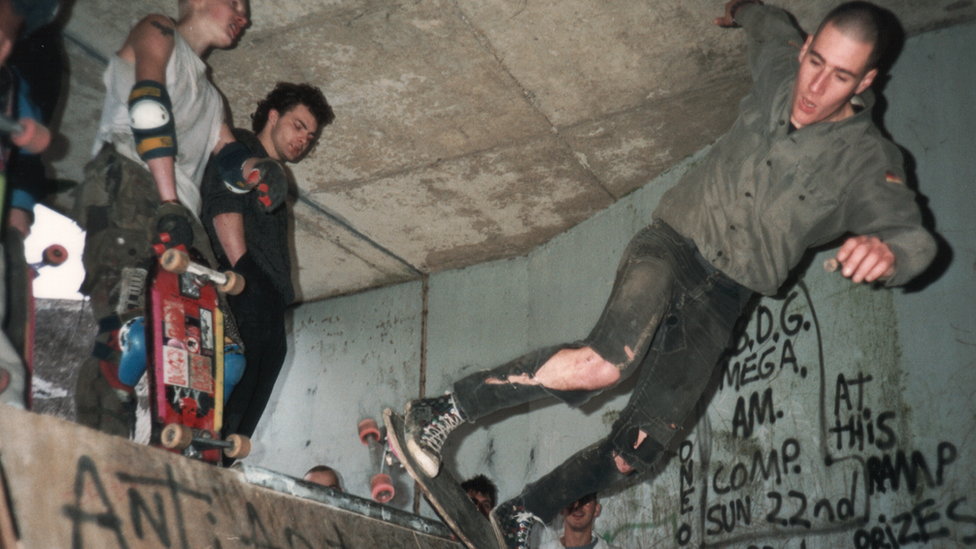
(185,333)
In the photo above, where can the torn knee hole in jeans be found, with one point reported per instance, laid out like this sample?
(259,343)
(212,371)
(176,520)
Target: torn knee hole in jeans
(621,462)
(521,379)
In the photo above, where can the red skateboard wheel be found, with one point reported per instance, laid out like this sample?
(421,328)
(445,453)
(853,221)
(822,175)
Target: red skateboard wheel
(381,487)
(55,255)
(367,428)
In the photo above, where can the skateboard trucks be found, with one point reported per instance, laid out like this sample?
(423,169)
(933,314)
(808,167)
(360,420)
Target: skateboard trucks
(380,486)
(176,436)
(178,261)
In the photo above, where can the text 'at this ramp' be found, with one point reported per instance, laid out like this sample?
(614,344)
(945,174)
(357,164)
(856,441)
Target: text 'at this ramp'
(65,485)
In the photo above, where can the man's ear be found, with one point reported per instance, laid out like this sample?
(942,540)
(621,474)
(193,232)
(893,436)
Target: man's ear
(866,81)
(273,117)
(596,512)
(806,46)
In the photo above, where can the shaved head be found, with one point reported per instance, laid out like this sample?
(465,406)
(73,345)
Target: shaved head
(863,22)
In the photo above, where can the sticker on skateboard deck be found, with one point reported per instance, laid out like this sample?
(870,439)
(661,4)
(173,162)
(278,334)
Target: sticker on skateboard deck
(443,492)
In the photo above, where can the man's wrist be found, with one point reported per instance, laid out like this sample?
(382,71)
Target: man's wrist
(734,9)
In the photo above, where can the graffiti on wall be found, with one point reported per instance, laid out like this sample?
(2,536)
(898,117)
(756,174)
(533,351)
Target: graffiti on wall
(127,496)
(793,448)
(160,509)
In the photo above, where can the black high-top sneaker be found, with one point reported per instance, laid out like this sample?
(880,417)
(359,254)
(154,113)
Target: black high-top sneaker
(427,422)
(513,524)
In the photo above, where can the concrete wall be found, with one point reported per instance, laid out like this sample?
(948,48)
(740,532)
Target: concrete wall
(845,417)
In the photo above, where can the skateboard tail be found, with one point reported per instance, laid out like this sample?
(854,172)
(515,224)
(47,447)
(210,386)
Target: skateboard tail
(443,492)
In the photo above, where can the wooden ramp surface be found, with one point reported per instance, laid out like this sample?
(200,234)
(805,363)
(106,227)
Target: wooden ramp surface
(72,487)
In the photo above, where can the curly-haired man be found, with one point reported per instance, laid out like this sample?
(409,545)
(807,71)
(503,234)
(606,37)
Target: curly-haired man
(254,242)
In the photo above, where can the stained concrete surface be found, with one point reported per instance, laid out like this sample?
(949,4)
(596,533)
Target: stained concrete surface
(352,356)
(465,131)
(842,412)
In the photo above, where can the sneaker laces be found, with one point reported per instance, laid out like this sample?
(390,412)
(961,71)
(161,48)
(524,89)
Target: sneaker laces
(524,520)
(435,434)
(520,527)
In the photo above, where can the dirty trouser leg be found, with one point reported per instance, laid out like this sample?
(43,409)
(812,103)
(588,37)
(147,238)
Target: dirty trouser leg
(694,333)
(115,205)
(588,471)
(260,309)
(640,296)
(680,363)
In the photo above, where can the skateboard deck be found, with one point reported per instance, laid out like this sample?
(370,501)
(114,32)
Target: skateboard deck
(443,492)
(186,343)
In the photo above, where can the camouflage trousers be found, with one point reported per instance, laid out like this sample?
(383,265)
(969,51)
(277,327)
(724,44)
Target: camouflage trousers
(116,205)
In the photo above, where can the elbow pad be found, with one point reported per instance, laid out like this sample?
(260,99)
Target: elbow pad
(151,119)
(230,163)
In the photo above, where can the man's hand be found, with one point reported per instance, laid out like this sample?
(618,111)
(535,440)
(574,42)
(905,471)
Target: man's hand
(731,7)
(268,179)
(866,259)
(173,229)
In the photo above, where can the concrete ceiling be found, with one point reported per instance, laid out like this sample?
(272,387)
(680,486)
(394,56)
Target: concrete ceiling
(466,130)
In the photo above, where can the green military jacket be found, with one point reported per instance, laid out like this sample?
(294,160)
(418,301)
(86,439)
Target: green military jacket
(762,196)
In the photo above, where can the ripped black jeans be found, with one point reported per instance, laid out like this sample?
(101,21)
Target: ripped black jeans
(670,310)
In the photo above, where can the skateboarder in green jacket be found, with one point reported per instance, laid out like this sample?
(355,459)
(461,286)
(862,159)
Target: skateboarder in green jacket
(731,228)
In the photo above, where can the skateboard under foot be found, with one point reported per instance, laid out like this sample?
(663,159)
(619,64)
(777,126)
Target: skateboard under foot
(443,492)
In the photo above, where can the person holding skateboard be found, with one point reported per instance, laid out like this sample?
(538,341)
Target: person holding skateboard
(803,165)
(161,121)
(255,244)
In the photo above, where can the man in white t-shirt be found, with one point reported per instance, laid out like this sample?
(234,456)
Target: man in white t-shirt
(578,520)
